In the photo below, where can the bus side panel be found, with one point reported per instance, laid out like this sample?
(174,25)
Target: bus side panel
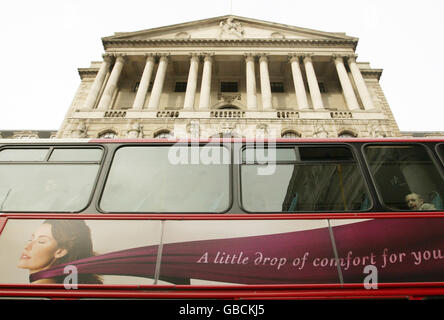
(150,252)
(398,250)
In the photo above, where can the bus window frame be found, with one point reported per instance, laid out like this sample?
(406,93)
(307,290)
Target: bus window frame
(395,144)
(439,153)
(50,147)
(285,145)
(165,145)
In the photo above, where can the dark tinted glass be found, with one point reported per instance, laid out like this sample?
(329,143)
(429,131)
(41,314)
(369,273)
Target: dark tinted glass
(313,179)
(406,177)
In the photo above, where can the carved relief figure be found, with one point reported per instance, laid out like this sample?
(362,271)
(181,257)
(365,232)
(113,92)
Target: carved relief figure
(80,131)
(320,132)
(230,27)
(135,131)
(375,131)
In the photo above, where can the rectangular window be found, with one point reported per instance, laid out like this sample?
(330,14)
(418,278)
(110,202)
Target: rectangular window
(62,183)
(229,87)
(406,177)
(322,87)
(168,179)
(180,87)
(277,86)
(302,179)
(71,154)
(24,154)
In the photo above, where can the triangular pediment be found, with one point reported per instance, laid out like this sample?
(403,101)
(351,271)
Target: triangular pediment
(229,27)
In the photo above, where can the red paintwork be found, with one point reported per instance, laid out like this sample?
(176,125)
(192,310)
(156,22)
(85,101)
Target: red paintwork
(326,291)
(315,291)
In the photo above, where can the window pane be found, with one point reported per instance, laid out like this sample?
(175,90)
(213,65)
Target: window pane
(262,156)
(277,86)
(228,87)
(23,154)
(406,177)
(441,151)
(76,155)
(45,187)
(301,187)
(180,87)
(167,179)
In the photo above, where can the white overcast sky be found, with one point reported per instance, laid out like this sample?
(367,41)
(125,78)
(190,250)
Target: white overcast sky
(44,42)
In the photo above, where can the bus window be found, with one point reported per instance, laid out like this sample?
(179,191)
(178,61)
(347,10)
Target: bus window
(33,184)
(440,149)
(168,179)
(313,179)
(406,177)
(23,154)
(72,154)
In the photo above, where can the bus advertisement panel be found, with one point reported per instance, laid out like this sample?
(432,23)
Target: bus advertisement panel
(221,252)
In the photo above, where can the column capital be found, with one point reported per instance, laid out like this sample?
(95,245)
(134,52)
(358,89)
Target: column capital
(249,56)
(295,56)
(337,56)
(207,55)
(263,56)
(163,55)
(149,56)
(194,55)
(307,56)
(120,57)
(107,57)
(351,57)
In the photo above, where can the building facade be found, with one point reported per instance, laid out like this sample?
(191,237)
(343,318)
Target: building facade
(229,76)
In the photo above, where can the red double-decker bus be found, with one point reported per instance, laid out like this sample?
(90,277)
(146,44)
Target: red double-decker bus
(222,218)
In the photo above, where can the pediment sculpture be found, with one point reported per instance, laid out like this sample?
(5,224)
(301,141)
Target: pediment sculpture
(231,28)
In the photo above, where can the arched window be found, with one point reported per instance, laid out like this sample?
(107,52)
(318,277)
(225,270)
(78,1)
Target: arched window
(163,134)
(108,135)
(347,134)
(228,107)
(290,134)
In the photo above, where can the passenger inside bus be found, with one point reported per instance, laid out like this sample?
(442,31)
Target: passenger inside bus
(416,202)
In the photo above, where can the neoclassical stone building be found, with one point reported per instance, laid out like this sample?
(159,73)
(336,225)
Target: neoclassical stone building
(233,76)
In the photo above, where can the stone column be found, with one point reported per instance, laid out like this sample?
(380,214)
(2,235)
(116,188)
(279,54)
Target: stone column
(98,82)
(144,83)
(265,83)
(251,82)
(111,85)
(299,87)
(191,82)
(347,88)
(360,83)
(205,88)
(313,86)
(158,83)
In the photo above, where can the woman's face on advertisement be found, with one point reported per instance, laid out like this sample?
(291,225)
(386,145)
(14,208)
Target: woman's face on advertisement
(41,250)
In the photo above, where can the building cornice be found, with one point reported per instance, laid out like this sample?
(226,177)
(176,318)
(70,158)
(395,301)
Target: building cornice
(87,72)
(371,73)
(230,42)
